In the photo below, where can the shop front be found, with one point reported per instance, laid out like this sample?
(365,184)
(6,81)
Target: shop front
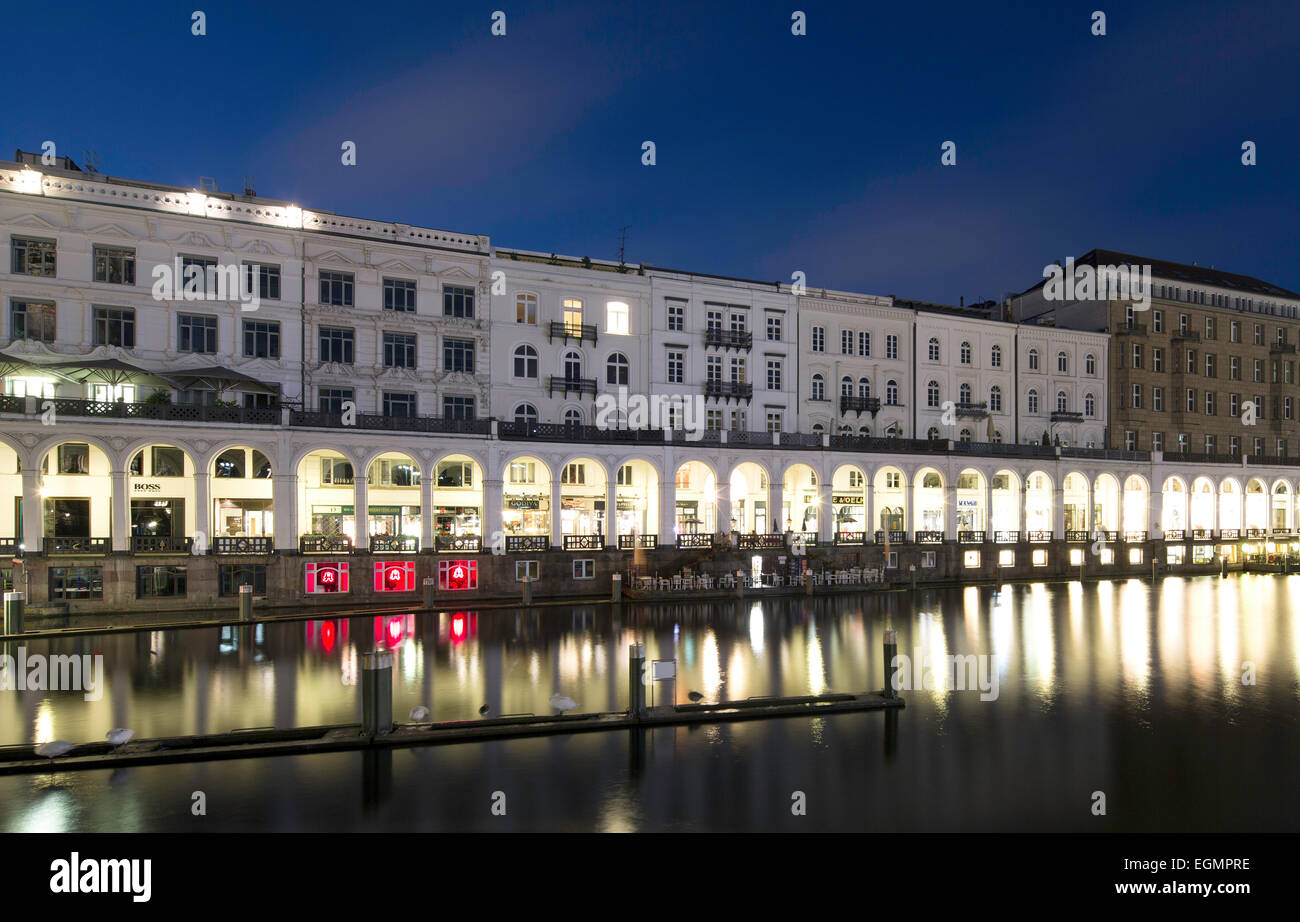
(526,514)
(243,518)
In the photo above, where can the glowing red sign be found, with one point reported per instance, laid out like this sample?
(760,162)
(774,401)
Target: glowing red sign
(325,577)
(457,574)
(395,576)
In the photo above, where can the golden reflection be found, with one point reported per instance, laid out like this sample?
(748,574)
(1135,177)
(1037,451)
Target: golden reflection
(756,629)
(816,664)
(710,668)
(1134,637)
(1039,638)
(44,722)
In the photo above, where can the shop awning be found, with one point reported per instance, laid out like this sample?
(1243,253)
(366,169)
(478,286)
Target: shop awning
(221,379)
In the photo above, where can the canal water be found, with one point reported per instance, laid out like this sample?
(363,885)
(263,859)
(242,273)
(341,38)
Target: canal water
(1111,688)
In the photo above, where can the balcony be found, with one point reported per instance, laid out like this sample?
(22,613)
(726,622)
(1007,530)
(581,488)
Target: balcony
(572,432)
(1006,537)
(313,419)
(728,390)
(1282,349)
(1185,336)
(578,332)
(527,543)
(718,338)
(584,542)
(973,410)
(1134,537)
(1230,534)
(1132,329)
(96,547)
(891,537)
(566,385)
(458,544)
(859,405)
(689,542)
(1202,533)
(1066,416)
(1174,534)
(929,537)
(10,546)
(394,544)
(325,544)
(160,544)
(850,537)
(758,542)
(1040,537)
(970,537)
(1076,536)
(229,545)
(169,412)
(634,542)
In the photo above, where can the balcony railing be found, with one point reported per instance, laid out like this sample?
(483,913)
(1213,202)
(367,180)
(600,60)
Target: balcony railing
(761,541)
(1134,537)
(1255,532)
(1040,537)
(581,332)
(719,338)
(805,538)
(394,544)
(850,537)
(171,412)
(973,409)
(324,544)
(9,546)
(1230,534)
(10,404)
(1077,536)
(584,542)
(1202,533)
(1066,416)
(527,543)
(573,432)
(728,390)
(1174,534)
(566,385)
(850,404)
(314,419)
(895,537)
(1006,537)
(234,545)
(1186,336)
(160,544)
(929,537)
(970,537)
(689,541)
(459,544)
(1281,532)
(1132,329)
(1282,349)
(89,546)
(633,542)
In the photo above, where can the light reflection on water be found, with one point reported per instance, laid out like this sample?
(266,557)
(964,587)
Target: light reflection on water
(1108,686)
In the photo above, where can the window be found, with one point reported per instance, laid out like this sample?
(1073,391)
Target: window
(617,318)
(1090,364)
(1063,404)
(76,583)
(932,394)
(713,368)
(1031,401)
(332,399)
(1137,355)
(526,571)
(864,387)
(574,474)
(458,302)
(1209,366)
(1062,363)
(1130,440)
(336,345)
(1033,358)
(572,366)
(1158,399)
(584,568)
(1234,331)
(336,288)
(399,403)
(1191,400)
(159,582)
(617,369)
(995,357)
(1157,441)
(267,280)
(713,319)
(995,399)
(525,362)
(1089,405)
(891,392)
(846,342)
(818,387)
(775,418)
(234,575)
(458,355)
(1234,368)
(891,346)
(196,334)
(773,374)
(1259,370)
(773,328)
(262,339)
(399,350)
(864,343)
(964,393)
(525,415)
(818,339)
(32,256)
(525,308)
(676,367)
(73,458)
(399,296)
(115,327)
(1158,321)
(676,316)
(454,474)
(965,354)
(1209,403)
(933,349)
(1259,338)
(1210,332)
(457,407)
(114,265)
(32,320)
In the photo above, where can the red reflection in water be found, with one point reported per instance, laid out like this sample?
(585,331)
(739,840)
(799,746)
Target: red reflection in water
(462,626)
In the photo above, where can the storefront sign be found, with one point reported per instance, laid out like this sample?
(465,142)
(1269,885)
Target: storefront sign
(395,576)
(519,503)
(385,510)
(146,487)
(331,510)
(847,500)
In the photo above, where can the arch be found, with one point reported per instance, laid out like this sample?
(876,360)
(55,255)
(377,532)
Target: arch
(394,513)
(1136,500)
(525,414)
(971,513)
(818,387)
(636,499)
(524,362)
(526,497)
(1039,501)
(928,493)
(1232,508)
(584,485)
(1006,490)
(76,489)
(327,495)
(747,489)
(849,499)
(1201,511)
(695,494)
(1174,505)
(1105,503)
(801,498)
(617,369)
(889,498)
(1256,507)
(1074,496)
(1280,506)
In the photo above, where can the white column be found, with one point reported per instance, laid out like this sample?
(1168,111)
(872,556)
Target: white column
(33,524)
(667,506)
(775,512)
(490,515)
(988,503)
(1058,514)
(950,512)
(120,512)
(867,531)
(284,508)
(202,511)
(611,525)
(825,513)
(426,509)
(361,509)
(557,539)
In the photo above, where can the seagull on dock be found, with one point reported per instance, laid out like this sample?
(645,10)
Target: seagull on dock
(54,748)
(419,714)
(483,711)
(119,736)
(695,697)
(562,703)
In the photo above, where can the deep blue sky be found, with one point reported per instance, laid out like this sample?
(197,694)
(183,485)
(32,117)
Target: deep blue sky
(775,152)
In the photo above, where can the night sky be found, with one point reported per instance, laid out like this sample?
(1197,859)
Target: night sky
(775,153)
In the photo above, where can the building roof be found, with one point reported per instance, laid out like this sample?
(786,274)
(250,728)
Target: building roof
(1192,275)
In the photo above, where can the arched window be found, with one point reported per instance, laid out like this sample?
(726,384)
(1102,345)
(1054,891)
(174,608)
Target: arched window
(1061,403)
(891,392)
(525,362)
(1031,401)
(864,430)
(965,435)
(616,369)
(931,481)
(964,392)
(932,433)
(818,428)
(995,357)
(1090,364)
(526,414)
(818,387)
(1089,405)
(934,349)
(261,465)
(995,399)
(997,436)
(965,353)
(1033,360)
(573,417)
(1062,363)
(864,387)
(846,386)
(572,366)
(230,463)
(932,394)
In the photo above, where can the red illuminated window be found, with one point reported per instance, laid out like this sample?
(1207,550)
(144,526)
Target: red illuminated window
(394,576)
(325,577)
(457,574)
